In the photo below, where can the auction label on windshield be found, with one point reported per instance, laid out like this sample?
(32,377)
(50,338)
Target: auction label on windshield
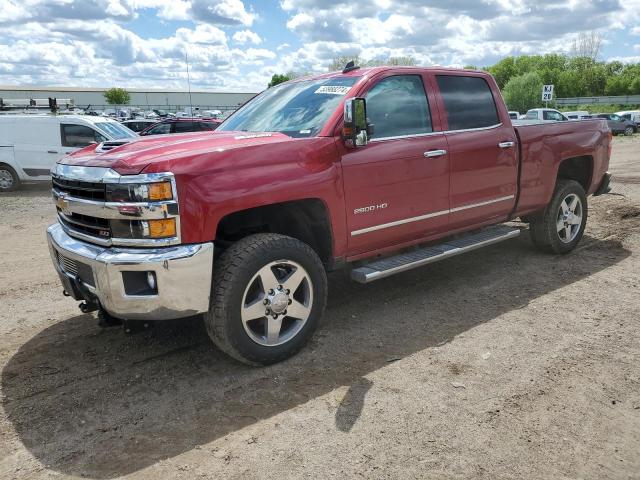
(333,90)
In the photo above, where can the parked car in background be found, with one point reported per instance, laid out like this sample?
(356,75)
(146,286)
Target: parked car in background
(632,115)
(31,144)
(618,124)
(181,125)
(578,115)
(545,114)
(215,114)
(139,124)
(514,115)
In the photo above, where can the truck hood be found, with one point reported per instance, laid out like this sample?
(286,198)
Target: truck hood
(133,157)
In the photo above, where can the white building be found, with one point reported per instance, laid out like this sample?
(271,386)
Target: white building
(170,100)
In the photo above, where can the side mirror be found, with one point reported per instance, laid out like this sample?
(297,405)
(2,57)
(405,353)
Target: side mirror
(356,130)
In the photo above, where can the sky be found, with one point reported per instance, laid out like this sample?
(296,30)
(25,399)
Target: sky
(236,45)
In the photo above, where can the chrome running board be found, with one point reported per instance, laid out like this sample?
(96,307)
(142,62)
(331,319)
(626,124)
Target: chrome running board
(385,267)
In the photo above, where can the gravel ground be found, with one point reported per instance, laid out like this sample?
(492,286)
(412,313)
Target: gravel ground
(505,363)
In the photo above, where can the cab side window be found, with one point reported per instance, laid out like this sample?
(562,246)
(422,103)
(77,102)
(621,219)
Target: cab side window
(468,102)
(79,135)
(397,106)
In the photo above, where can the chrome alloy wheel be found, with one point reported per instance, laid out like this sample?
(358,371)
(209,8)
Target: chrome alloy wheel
(6,179)
(277,303)
(569,218)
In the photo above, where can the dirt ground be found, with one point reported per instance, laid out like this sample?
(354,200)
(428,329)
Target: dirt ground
(504,363)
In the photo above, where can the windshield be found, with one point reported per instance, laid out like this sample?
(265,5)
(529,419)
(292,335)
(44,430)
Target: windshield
(298,109)
(115,131)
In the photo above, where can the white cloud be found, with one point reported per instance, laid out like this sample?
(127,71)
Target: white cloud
(247,36)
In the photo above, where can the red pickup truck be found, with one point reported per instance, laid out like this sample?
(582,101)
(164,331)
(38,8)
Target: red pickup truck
(381,170)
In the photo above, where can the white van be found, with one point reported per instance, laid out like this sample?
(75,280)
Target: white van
(31,144)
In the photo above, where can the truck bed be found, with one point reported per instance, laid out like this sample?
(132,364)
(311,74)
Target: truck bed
(543,146)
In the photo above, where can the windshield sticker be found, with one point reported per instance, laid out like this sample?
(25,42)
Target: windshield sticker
(305,132)
(333,90)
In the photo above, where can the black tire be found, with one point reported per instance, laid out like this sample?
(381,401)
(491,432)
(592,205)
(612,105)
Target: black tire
(628,131)
(235,274)
(543,227)
(9,180)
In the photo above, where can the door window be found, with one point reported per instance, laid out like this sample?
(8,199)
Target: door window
(397,106)
(468,102)
(79,135)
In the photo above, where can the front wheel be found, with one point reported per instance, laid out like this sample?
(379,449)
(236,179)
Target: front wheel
(628,131)
(561,226)
(269,292)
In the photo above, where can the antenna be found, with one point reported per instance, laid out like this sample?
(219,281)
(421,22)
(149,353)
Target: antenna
(186,58)
(350,66)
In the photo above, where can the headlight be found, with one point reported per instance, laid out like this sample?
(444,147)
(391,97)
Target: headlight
(139,192)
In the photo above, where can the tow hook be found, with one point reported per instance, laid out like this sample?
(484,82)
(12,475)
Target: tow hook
(88,307)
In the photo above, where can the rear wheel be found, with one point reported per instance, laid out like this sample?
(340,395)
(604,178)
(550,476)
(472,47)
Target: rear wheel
(269,293)
(561,226)
(628,131)
(9,180)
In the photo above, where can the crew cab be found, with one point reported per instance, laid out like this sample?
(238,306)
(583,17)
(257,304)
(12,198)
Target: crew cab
(378,170)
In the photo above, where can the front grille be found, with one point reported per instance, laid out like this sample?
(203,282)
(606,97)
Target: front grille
(77,269)
(87,211)
(96,227)
(85,190)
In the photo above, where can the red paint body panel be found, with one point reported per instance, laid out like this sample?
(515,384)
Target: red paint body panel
(218,173)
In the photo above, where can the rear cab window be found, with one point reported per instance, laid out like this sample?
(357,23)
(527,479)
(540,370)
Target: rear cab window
(397,106)
(468,102)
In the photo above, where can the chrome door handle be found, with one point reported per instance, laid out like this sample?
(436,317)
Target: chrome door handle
(435,153)
(506,144)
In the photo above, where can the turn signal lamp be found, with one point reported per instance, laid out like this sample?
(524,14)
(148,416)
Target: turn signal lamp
(162,228)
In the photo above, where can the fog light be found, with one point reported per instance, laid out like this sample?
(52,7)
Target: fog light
(151,280)
(162,228)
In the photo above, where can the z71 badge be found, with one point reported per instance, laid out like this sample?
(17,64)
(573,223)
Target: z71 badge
(370,208)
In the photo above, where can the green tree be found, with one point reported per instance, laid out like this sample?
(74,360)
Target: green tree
(277,79)
(618,85)
(523,92)
(117,96)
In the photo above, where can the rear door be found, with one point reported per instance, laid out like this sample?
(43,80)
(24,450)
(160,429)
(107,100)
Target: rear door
(482,150)
(397,186)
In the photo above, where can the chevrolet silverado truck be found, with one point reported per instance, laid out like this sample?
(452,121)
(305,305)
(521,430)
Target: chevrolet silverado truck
(379,170)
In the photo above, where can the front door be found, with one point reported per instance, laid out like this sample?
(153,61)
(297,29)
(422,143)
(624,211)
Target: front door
(482,151)
(397,186)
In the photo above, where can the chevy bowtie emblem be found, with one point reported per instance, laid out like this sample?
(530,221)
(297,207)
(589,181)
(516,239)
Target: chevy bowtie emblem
(63,205)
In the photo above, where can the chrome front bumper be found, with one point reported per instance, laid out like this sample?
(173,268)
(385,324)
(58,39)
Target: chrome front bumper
(182,275)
